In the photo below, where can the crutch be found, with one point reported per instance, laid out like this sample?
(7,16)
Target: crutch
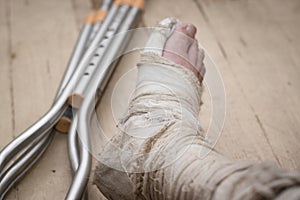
(96,79)
(77,96)
(16,170)
(47,121)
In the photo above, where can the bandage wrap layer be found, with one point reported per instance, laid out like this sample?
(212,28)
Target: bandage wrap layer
(156,155)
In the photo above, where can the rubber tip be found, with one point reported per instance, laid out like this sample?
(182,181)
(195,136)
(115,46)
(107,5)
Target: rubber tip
(75,100)
(63,125)
(139,3)
(90,18)
(100,15)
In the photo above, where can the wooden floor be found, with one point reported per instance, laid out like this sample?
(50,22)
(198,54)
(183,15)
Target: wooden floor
(255,43)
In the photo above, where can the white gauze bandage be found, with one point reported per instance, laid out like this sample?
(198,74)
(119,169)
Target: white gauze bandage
(162,118)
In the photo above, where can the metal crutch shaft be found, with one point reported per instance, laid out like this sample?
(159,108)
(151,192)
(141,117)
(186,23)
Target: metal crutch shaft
(63,123)
(80,178)
(72,136)
(17,171)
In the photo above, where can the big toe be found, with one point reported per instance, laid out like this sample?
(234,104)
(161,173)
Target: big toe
(182,48)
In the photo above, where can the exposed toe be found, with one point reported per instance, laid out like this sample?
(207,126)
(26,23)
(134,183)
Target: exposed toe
(182,48)
(191,30)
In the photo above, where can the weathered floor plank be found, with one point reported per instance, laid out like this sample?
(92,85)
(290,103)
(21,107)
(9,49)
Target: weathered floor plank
(261,59)
(6,87)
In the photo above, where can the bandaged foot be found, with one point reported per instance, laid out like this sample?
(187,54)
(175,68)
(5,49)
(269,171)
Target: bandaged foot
(156,154)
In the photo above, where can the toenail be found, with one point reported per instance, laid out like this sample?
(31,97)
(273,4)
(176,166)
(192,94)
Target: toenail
(190,29)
